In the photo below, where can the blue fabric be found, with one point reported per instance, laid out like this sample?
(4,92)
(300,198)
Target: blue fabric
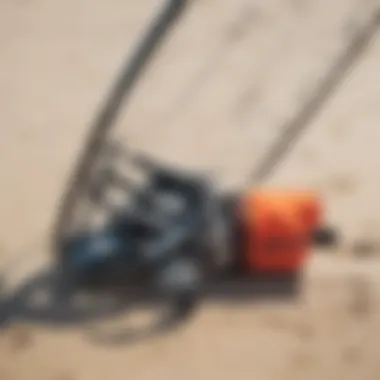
(94,250)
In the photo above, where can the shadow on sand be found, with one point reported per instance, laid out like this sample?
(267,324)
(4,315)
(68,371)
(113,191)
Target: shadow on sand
(48,300)
(292,130)
(105,119)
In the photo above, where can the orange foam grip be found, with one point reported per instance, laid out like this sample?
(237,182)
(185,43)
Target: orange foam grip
(278,227)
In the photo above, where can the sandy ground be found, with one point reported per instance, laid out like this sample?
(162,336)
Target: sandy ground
(227,82)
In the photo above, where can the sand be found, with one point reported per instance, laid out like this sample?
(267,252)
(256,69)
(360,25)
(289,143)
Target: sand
(231,77)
